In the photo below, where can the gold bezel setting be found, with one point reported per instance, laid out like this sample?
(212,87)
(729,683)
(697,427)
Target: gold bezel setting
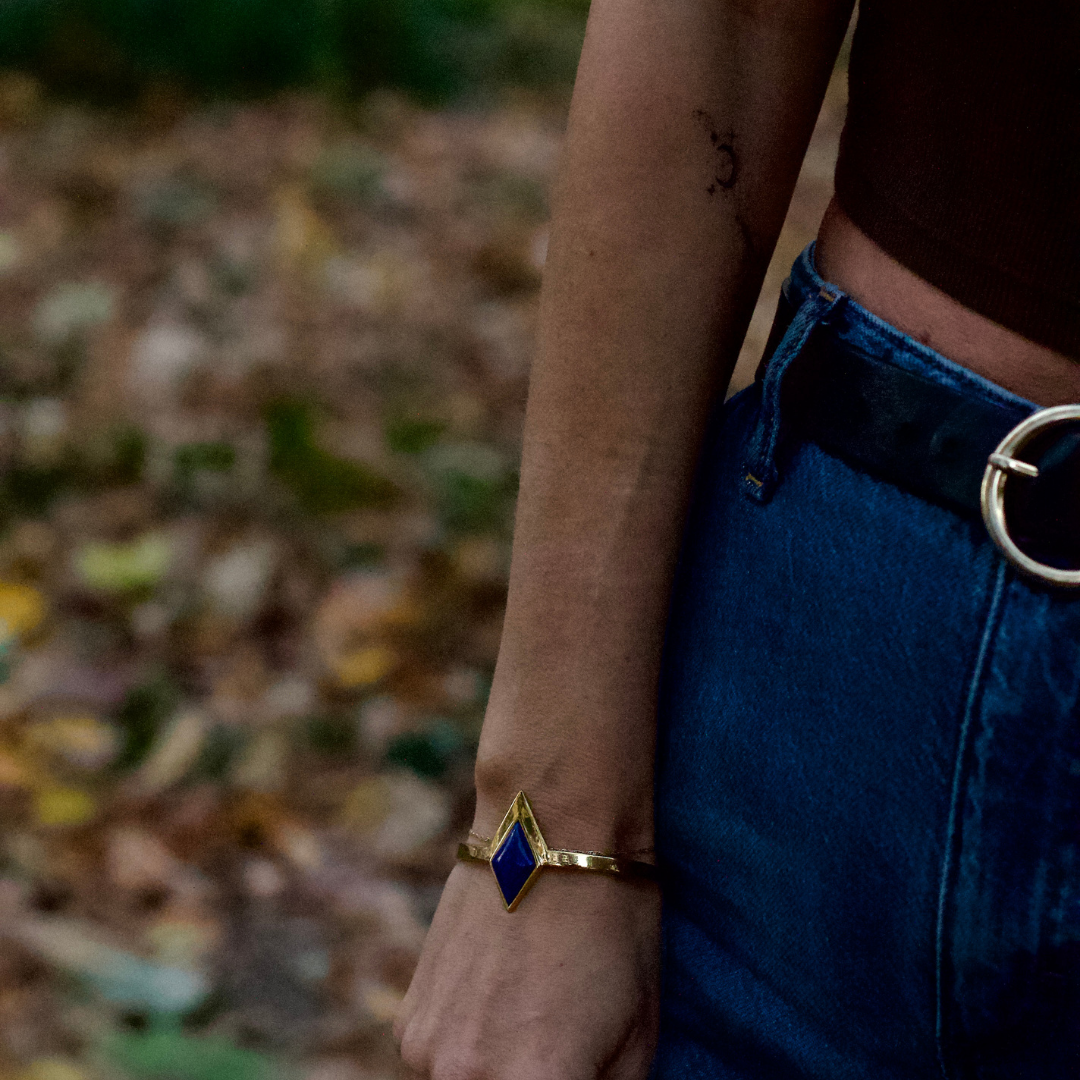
(518,847)
(520,813)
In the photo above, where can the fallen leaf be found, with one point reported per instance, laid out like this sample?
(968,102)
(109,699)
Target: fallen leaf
(365,667)
(119,976)
(82,741)
(128,567)
(382,1002)
(63,806)
(53,1069)
(14,772)
(174,752)
(22,608)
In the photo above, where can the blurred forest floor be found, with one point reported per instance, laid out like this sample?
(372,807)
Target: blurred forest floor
(262,377)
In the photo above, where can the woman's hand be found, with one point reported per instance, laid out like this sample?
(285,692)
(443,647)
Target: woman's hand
(564,988)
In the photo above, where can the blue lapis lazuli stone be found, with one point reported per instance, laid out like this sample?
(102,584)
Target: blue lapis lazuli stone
(513,863)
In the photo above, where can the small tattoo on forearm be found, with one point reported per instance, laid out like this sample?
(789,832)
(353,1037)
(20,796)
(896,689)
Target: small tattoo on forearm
(725,163)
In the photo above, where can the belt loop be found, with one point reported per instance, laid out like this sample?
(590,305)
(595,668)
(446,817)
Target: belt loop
(760,474)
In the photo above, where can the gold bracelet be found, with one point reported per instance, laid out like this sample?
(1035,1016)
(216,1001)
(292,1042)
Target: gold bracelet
(518,852)
(482,840)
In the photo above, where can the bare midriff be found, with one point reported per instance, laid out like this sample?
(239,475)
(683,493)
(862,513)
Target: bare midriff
(847,257)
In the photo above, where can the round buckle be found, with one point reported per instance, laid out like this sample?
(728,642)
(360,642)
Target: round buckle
(1001,464)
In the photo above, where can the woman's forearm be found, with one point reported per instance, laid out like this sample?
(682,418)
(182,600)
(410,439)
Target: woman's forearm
(689,121)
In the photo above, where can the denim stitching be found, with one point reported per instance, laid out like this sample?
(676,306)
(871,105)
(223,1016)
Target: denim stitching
(952,836)
(759,474)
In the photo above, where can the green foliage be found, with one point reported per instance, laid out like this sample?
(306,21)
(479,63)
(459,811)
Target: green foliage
(130,569)
(332,736)
(433,48)
(474,504)
(128,457)
(362,556)
(168,1054)
(473,487)
(350,171)
(7,650)
(427,753)
(141,716)
(30,490)
(322,483)
(408,436)
(212,456)
(217,755)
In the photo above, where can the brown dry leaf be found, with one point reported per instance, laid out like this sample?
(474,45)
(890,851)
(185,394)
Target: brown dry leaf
(16,771)
(137,859)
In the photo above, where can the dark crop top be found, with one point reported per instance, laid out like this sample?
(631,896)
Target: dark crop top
(961,153)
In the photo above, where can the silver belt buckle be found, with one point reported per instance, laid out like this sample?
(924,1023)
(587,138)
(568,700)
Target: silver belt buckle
(1004,463)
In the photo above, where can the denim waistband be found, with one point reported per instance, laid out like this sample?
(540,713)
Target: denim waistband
(914,389)
(854,325)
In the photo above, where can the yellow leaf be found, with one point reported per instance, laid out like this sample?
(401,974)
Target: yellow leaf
(83,741)
(364,667)
(53,1069)
(383,1002)
(63,806)
(481,558)
(368,805)
(22,608)
(183,942)
(302,238)
(406,614)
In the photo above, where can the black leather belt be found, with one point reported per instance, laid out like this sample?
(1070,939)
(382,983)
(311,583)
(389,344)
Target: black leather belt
(936,441)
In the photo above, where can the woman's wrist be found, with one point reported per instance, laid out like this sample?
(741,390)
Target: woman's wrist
(578,808)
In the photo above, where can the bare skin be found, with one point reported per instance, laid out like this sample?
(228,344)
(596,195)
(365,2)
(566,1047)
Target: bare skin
(850,259)
(688,125)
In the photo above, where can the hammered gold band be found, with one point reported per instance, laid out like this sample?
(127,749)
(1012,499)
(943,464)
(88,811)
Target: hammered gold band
(567,860)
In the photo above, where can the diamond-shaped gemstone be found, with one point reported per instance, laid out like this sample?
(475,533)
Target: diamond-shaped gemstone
(513,863)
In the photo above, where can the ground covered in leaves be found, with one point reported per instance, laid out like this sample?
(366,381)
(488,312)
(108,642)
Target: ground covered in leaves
(262,377)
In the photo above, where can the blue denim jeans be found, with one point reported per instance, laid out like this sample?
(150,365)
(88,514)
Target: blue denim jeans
(868,785)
